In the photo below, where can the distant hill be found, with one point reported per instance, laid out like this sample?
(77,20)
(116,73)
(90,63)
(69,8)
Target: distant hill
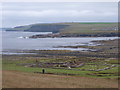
(4,28)
(80,28)
(55,28)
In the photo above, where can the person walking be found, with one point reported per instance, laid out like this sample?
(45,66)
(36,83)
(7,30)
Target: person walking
(43,71)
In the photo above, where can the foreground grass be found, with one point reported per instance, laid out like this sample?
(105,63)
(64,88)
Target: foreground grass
(16,79)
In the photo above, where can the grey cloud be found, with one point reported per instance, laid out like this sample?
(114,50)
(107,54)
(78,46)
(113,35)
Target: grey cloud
(26,13)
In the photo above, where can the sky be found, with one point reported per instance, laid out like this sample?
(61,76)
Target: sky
(25,13)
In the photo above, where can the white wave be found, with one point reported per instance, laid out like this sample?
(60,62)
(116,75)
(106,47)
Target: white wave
(26,37)
(21,37)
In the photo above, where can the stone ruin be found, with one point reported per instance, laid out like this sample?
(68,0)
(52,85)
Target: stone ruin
(54,64)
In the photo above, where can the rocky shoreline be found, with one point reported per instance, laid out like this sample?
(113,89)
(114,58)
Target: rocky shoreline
(60,35)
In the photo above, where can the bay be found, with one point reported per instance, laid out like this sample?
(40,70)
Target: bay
(15,41)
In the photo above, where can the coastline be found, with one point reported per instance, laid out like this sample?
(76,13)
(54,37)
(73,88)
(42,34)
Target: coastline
(80,47)
(62,35)
(95,49)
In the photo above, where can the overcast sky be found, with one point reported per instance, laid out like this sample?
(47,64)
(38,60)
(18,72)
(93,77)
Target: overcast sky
(18,13)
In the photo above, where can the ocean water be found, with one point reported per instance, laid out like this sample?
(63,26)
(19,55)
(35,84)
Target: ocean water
(12,41)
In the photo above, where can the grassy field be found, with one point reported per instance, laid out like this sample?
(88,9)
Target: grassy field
(18,79)
(81,71)
(89,28)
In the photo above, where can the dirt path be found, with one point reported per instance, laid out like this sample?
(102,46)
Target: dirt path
(15,79)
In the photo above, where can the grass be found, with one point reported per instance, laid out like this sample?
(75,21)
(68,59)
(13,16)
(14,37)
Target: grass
(89,28)
(13,75)
(113,61)
(16,79)
(48,70)
(11,65)
(79,28)
(91,67)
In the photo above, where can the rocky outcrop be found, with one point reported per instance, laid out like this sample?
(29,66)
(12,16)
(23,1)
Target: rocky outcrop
(75,35)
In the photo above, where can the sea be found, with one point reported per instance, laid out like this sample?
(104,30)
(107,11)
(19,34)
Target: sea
(13,41)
